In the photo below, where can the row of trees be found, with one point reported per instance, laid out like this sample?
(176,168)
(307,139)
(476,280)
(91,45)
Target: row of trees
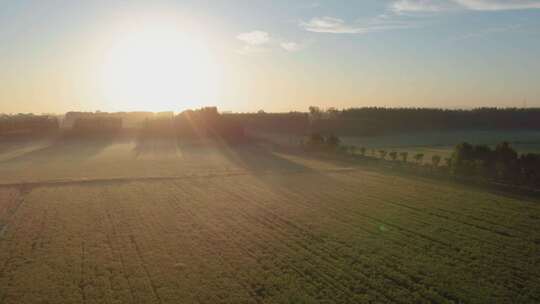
(23,124)
(317,141)
(501,163)
(375,120)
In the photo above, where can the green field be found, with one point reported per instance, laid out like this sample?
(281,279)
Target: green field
(121,222)
(443,143)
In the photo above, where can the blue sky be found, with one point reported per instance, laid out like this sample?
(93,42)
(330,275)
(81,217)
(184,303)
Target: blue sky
(285,55)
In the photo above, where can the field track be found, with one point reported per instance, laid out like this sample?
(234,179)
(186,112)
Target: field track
(90,181)
(308,236)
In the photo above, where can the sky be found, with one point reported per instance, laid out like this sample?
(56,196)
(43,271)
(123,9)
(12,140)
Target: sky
(248,55)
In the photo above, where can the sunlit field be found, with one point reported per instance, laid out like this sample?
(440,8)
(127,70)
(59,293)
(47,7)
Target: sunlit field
(287,152)
(120,222)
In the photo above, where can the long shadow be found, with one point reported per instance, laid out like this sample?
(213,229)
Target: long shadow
(64,149)
(283,174)
(259,158)
(11,144)
(155,147)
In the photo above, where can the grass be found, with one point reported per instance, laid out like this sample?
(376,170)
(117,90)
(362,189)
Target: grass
(443,143)
(250,225)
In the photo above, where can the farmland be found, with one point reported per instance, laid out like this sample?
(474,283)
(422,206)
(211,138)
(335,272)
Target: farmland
(443,143)
(121,222)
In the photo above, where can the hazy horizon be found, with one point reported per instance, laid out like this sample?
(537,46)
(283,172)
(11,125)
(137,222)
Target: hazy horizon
(178,111)
(59,56)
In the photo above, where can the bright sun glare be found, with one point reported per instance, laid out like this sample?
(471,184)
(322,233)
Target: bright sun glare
(160,69)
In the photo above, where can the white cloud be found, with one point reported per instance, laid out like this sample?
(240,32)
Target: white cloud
(254,38)
(497,5)
(423,6)
(330,25)
(254,42)
(290,46)
(339,26)
(419,6)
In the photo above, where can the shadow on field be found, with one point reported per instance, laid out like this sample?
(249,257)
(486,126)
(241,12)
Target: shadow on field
(258,158)
(156,147)
(64,149)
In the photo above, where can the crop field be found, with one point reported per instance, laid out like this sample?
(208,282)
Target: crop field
(117,223)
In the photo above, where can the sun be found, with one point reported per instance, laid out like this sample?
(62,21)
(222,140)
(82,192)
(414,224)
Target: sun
(160,69)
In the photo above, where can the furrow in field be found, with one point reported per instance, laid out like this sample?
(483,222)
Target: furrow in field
(224,224)
(274,220)
(325,199)
(296,246)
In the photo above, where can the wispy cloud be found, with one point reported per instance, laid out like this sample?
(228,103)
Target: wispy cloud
(254,42)
(291,46)
(498,5)
(432,6)
(420,6)
(254,37)
(339,26)
(260,41)
(330,25)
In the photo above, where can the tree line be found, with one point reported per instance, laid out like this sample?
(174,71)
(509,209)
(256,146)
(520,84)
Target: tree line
(501,163)
(376,120)
(24,124)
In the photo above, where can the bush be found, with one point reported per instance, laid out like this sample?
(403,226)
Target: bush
(332,141)
(404,156)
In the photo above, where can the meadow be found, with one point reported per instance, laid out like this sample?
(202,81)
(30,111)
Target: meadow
(443,143)
(154,222)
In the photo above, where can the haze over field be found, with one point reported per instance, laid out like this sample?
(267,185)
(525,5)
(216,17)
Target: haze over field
(58,56)
(222,151)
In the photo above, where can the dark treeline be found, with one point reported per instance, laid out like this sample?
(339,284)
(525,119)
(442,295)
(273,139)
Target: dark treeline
(501,164)
(129,119)
(291,123)
(373,120)
(208,123)
(354,121)
(27,124)
(99,125)
(188,125)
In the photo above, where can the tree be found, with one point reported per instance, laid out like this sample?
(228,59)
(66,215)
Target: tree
(363,151)
(352,150)
(332,141)
(419,157)
(448,161)
(463,159)
(332,112)
(404,156)
(435,159)
(383,153)
(393,155)
(506,161)
(315,140)
(315,112)
(485,160)
(530,167)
